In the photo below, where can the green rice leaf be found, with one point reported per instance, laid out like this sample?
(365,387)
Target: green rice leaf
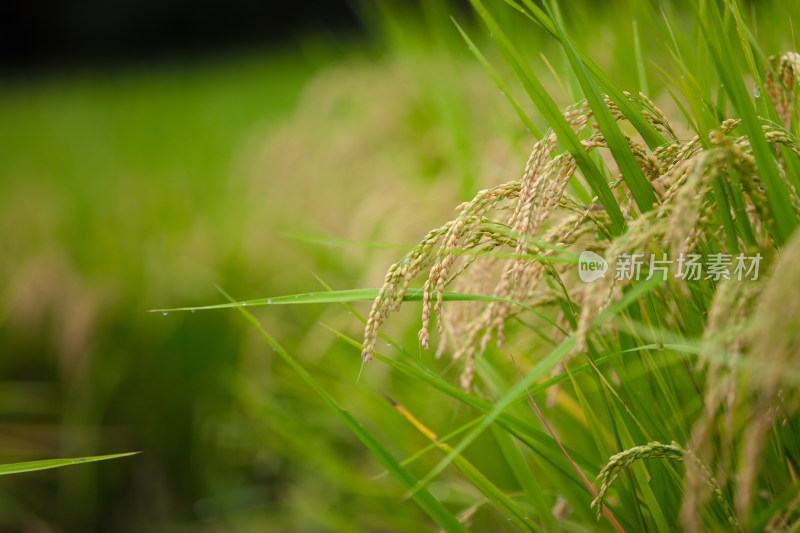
(555,119)
(637,50)
(523,475)
(652,137)
(47,464)
(631,171)
(541,367)
(350,295)
(785,220)
(427,502)
(492,493)
(499,82)
(535,439)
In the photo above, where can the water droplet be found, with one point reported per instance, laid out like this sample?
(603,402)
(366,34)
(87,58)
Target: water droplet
(503,93)
(193,310)
(756,92)
(269,301)
(164,313)
(244,303)
(296,296)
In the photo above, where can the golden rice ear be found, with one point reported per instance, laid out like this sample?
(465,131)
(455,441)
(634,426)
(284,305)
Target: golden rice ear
(657,450)
(775,346)
(782,90)
(619,462)
(536,209)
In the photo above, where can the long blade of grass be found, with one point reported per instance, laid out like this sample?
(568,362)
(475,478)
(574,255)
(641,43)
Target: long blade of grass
(433,507)
(785,220)
(742,32)
(631,171)
(651,136)
(506,420)
(422,451)
(334,241)
(695,92)
(349,295)
(523,475)
(637,50)
(31,466)
(555,119)
(616,525)
(503,503)
(536,440)
(353,295)
(499,82)
(543,366)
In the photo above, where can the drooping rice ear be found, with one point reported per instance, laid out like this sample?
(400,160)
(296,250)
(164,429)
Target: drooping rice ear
(782,90)
(776,347)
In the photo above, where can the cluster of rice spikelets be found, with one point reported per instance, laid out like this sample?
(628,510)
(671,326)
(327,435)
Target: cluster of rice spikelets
(619,462)
(750,349)
(657,450)
(768,396)
(509,242)
(751,353)
(782,84)
(506,238)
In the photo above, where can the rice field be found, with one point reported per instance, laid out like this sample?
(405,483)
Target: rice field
(499,266)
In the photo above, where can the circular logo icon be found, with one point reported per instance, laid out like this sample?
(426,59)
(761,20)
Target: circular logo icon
(591,266)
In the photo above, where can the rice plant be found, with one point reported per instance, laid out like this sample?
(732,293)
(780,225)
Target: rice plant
(625,310)
(727,194)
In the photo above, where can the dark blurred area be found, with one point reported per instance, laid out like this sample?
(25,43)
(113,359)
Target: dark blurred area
(45,35)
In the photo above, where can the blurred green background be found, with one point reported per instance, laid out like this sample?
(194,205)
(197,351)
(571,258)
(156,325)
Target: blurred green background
(142,185)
